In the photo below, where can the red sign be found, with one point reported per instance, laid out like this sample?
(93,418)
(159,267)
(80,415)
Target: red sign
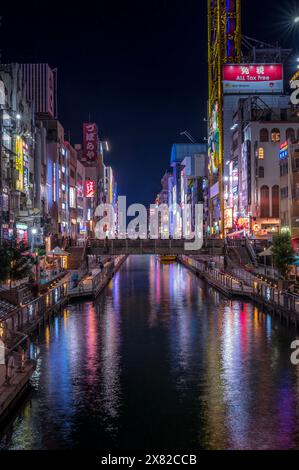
(252,78)
(90,142)
(89,188)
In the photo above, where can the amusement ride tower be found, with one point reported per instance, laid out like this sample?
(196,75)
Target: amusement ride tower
(224,46)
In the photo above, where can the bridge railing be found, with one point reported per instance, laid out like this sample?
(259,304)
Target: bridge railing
(148,245)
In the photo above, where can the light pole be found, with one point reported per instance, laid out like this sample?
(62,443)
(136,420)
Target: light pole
(33,233)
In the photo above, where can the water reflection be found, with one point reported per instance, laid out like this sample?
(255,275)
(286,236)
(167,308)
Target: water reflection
(160,360)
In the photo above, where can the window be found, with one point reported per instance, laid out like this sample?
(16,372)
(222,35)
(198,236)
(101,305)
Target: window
(261,172)
(275,135)
(72,197)
(265,202)
(290,134)
(275,201)
(284,192)
(284,168)
(296,163)
(264,135)
(260,153)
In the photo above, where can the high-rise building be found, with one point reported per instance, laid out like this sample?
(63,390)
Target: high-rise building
(17,158)
(260,126)
(41,89)
(73,229)
(289,183)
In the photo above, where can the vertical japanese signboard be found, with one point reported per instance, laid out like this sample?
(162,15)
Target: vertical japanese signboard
(19,163)
(90,188)
(50,92)
(90,143)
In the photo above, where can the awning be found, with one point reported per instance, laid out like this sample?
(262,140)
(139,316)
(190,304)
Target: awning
(58,252)
(267,252)
(296,261)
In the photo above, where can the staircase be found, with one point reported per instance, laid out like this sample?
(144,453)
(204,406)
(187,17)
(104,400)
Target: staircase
(241,253)
(27,295)
(75,259)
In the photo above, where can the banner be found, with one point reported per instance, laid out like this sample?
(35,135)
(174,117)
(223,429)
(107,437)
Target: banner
(90,142)
(252,78)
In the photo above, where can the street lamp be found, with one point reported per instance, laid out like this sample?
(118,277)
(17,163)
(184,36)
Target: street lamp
(33,232)
(296,19)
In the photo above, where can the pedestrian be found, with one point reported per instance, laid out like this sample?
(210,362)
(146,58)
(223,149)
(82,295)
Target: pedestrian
(10,369)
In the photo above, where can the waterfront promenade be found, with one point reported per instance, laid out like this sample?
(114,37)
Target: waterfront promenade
(14,379)
(245,285)
(16,372)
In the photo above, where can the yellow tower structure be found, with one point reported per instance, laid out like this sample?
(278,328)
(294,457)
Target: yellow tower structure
(224,46)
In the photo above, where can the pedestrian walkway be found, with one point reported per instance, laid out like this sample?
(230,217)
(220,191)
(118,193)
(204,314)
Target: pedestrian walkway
(14,378)
(93,283)
(268,296)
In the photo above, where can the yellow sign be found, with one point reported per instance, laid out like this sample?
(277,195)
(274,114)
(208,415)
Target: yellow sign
(295,76)
(19,163)
(228,218)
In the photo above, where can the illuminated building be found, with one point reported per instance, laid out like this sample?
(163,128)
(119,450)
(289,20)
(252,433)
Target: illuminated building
(81,200)
(288,158)
(252,185)
(187,161)
(57,179)
(72,196)
(162,198)
(224,47)
(193,175)
(41,88)
(17,157)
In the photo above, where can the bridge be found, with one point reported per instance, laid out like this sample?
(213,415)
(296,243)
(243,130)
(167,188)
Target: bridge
(152,247)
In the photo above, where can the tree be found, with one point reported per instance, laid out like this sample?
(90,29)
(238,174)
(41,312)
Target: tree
(4,264)
(15,265)
(283,253)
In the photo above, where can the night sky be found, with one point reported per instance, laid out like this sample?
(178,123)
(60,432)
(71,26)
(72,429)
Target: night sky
(138,67)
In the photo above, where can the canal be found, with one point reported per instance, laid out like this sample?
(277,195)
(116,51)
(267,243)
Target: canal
(160,361)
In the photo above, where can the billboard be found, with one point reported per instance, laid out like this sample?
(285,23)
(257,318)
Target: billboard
(19,163)
(90,142)
(252,78)
(228,218)
(89,188)
(213,142)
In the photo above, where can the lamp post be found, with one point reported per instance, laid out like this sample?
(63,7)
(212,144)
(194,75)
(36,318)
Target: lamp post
(33,233)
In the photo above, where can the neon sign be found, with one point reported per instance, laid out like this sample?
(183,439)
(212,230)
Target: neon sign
(283,153)
(89,188)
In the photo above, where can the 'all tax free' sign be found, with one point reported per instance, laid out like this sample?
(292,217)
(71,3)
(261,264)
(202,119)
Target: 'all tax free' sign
(252,78)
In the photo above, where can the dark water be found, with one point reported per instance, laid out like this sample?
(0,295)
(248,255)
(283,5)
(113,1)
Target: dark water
(160,361)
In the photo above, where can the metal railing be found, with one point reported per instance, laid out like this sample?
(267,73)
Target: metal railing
(239,282)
